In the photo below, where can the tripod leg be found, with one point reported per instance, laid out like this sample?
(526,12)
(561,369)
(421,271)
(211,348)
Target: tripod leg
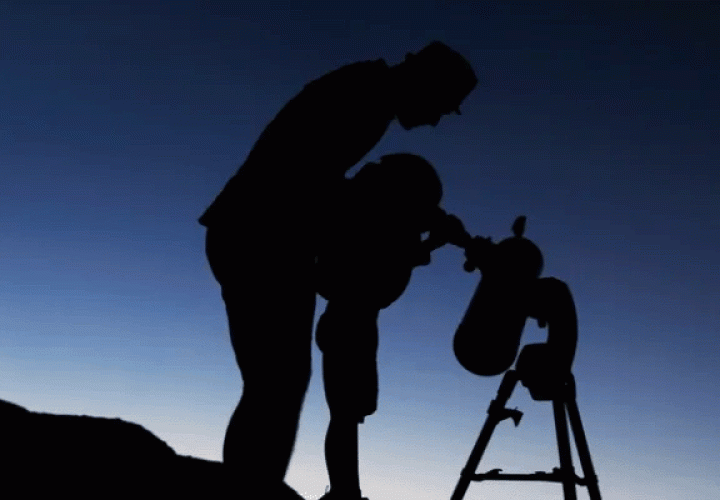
(496,413)
(583,450)
(566,467)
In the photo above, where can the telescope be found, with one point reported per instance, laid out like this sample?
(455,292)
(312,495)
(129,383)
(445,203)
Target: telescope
(510,291)
(487,341)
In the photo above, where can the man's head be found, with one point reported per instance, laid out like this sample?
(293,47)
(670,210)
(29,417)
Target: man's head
(430,84)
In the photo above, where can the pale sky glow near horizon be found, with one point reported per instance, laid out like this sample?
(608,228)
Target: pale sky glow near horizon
(121,121)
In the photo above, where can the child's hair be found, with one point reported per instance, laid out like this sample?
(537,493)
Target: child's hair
(401,178)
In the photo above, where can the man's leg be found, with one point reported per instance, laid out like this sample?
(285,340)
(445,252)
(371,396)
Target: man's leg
(273,350)
(270,302)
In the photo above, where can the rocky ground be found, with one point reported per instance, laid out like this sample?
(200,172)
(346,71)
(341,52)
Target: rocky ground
(93,457)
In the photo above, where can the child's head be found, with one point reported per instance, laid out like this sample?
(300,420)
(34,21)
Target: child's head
(400,185)
(401,178)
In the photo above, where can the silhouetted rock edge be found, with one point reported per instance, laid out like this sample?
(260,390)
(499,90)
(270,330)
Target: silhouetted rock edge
(96,457)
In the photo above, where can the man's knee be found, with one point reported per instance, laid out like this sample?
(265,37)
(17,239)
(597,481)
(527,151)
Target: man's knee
(293,378)
(275,376)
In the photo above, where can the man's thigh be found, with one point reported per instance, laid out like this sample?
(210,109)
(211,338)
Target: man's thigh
(269,297)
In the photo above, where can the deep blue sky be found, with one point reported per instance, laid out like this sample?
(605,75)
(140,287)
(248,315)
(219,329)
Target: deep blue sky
(120,122)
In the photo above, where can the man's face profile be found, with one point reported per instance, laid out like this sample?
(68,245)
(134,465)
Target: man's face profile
(424,110)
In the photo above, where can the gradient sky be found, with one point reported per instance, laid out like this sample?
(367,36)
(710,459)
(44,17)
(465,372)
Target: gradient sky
(121,121)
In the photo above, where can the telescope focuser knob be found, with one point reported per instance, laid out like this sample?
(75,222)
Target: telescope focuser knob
(518,227)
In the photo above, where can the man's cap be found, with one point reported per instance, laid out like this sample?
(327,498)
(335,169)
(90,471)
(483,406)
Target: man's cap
(448,68)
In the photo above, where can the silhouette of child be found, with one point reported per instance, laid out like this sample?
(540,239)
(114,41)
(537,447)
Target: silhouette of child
(372,244)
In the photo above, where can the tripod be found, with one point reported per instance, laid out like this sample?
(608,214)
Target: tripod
(564,409)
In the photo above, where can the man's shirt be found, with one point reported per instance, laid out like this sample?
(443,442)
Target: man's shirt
(303,154)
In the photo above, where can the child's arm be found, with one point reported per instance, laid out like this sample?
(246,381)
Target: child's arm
(445,228)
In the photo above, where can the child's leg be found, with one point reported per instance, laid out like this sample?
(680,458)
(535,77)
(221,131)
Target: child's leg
(349,344)
(341,440)
(341,456)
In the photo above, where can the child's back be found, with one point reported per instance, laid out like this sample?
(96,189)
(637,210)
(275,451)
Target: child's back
(375,239)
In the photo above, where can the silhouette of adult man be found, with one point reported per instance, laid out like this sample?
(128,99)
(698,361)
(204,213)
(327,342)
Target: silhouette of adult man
(263,230)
